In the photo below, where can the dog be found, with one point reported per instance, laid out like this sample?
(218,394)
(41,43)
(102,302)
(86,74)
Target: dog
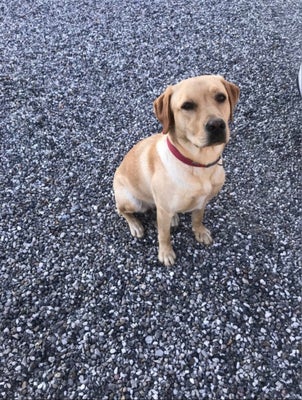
(179,170)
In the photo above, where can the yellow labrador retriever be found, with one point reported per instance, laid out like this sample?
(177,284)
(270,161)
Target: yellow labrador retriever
(181,169)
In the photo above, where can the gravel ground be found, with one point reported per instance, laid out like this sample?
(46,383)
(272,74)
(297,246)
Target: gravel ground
(87,312)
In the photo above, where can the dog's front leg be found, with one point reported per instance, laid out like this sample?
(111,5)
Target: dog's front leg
(166,253)
(202,234)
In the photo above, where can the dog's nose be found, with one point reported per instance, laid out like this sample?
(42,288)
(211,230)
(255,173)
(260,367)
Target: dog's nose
(216,128)
(215,125)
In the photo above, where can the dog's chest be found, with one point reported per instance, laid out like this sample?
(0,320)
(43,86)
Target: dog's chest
(186,187)
(194,203)
(191,193)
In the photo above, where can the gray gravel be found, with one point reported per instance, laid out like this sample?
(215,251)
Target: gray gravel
(87,312)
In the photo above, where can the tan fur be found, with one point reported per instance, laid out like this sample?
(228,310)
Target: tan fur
(151,176)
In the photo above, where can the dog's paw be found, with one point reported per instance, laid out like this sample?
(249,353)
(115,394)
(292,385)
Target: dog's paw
(136,229)
(175,221)
(167,256)
(203,235)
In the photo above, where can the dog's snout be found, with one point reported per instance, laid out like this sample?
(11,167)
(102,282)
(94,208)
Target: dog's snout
(216,128)
(215,125)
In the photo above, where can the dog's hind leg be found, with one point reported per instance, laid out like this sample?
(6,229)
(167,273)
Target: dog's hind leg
(127,204)
(135,226)
(175,221)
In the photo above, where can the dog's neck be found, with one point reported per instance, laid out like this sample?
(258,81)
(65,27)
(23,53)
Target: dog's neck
(210,155)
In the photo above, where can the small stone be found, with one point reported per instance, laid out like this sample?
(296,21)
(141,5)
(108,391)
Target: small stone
(149,339)
(159,353)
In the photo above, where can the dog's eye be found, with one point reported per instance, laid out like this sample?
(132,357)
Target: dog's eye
(220,97)
(188,105)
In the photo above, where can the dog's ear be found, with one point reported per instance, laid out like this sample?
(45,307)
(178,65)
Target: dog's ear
(233,93)
(162,109)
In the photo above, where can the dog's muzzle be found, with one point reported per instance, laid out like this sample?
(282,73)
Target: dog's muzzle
(216,130)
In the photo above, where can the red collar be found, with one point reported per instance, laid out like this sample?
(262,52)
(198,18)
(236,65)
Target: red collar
(186,160)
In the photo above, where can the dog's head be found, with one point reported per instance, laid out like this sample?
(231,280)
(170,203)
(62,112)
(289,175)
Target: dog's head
(198,109)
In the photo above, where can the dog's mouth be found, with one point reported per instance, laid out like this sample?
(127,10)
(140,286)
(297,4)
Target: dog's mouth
(216,141)
(211,140)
